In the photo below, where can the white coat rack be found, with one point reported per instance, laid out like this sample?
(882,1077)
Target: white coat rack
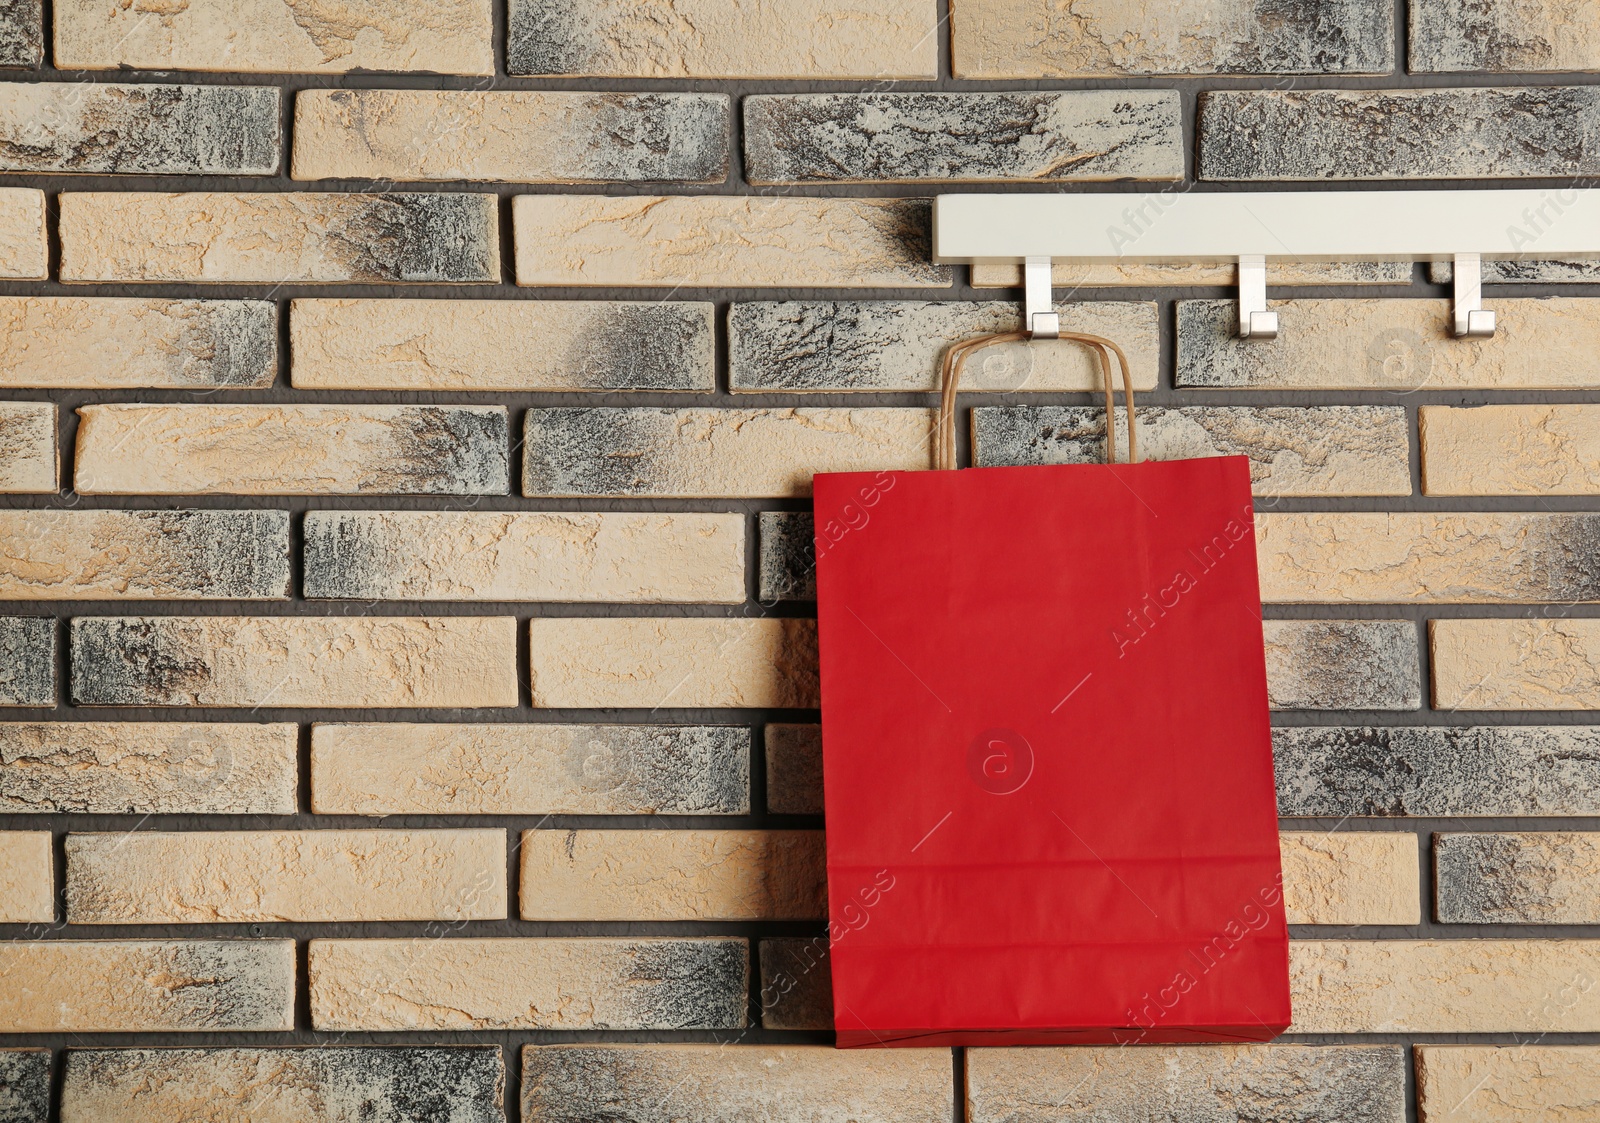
(1253,228)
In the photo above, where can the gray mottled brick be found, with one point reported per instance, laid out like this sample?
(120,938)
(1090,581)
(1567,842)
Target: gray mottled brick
(24,1085)
(788,568)
(838,345)
(1508,133)
(1438,771)
(1517,878)
(1293,450)
(794,768)
(796,983)
(27,661)
(1343,665)
(1455,36)
(1173,1083)
(143,129)
(908,137)
(372,1084)
(21,33)
(1547,271)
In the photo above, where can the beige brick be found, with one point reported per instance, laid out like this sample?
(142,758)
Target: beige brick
(144,555)
(1444,986)
(725,240)
(153,768)
(366,662)
(672,663)
(1391,345)
(807,39)
(29,458)
(521,136)
(673,875)
(1516,664)
(23,252)
(1526,1083)
(27,878)
(392,768)
(146,986)
(103,343)
(529,983)
(501,345)
(523,556)
(1072,275)
(276,36)
(323,1083)
(215,877)
(1206,1084)
(291,450)
(1407,557)
(706,453)
(1351,877)
(1111,38)
(1511,450)
(214,237)
(745,1084)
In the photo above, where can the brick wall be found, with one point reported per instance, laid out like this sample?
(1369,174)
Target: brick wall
(407,412)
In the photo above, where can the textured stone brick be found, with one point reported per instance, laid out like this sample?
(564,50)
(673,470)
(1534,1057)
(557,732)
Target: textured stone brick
(27,889)
(529,769)
(794,769)
(24,1073)
(81,554)
(1510,450)
(520,136)
(796,983)
(371,662)
(807,39)
(1512,133)
(337,1083)
(1351,877)
(1073,275)
(102,343)
(1444,986)
(22,45)
(501,345)
(1169,1083)
(277,36)
(1390,345)
(671,662)
(145,129)
(1535,271)
(1109,38)
(29,459)
(1516,664)
(788,557)
(1293,450)
(152,768)
(1452,36)
(790,346)
(292,450)
(725,240)
(1342,665)
(1405,557)
(1517,878)
(963,138)
(1337,771)
(524,556)
(23,252)
(1526,1083)
(213,877)
(278,237)
(27,661)
(150,986)
(745,1084)
(706,453)
(673,875)
(531,983)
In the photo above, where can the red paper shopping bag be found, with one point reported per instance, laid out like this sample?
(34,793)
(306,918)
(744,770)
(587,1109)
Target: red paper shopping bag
(1047,761)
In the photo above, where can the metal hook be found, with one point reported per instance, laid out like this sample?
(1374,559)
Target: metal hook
(1473,321)
(1255,322)
(1039,310)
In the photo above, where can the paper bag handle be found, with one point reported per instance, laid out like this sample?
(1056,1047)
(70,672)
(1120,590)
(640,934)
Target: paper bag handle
(944,442)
